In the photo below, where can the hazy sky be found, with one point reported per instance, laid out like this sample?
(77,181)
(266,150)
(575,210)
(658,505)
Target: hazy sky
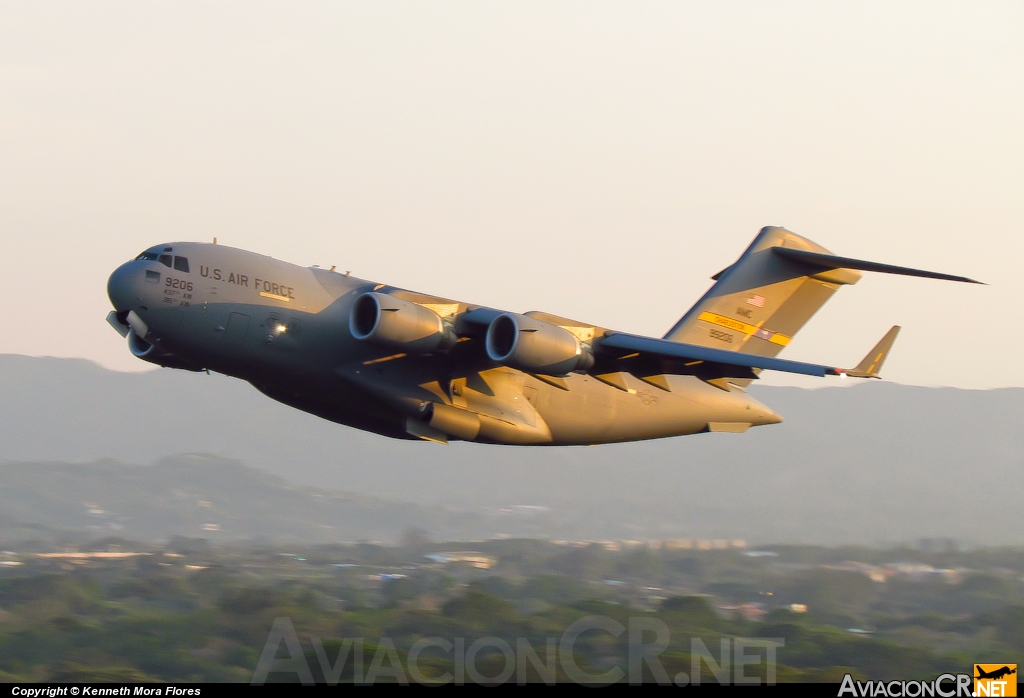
(594,160)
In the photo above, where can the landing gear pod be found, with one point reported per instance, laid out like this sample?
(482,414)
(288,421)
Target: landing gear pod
(535,346)
(384,319)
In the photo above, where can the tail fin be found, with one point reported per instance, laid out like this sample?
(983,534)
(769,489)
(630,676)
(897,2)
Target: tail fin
(762,300)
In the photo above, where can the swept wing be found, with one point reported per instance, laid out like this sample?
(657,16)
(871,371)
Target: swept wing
(646,356)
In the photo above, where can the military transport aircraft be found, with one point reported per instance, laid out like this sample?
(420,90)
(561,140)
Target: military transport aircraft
(414,366)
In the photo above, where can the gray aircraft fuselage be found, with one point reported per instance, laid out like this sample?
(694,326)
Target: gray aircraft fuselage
(285,329)
(414,366)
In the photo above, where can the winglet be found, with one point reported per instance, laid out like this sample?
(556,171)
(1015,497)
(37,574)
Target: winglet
(872,363)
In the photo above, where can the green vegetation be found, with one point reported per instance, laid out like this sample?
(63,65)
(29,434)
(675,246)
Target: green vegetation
(191,612)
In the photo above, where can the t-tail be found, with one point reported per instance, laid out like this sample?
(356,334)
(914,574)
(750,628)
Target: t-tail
(760,302)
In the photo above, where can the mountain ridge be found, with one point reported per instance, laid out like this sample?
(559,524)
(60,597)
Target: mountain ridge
(871,463)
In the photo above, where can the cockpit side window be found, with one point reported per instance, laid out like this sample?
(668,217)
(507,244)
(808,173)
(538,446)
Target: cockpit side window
(165,259)
(148,256)
(181,264)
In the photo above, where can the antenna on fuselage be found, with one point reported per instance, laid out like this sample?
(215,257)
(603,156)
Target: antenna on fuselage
(215,241)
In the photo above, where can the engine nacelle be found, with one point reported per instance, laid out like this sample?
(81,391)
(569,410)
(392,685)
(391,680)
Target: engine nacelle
(535,346)
(138,346)
(462,424)
(384,319)
(147,351)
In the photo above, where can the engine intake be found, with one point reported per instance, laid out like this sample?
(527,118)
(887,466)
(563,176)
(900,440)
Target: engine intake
(535,346)
(147,351)
(384,319)
(462,424)
(138,346)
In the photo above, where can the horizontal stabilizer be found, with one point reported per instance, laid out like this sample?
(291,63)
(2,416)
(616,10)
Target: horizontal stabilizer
(872,363)
(830,261)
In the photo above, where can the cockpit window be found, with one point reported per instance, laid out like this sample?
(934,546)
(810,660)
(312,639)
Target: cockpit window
(181,264)
(165,259)
(148,256)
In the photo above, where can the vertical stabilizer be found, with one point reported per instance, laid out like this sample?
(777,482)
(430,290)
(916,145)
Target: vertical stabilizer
(762,300)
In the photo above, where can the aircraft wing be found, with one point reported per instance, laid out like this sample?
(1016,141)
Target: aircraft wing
(664,356)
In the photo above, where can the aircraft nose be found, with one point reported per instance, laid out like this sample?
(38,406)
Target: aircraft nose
(121,286)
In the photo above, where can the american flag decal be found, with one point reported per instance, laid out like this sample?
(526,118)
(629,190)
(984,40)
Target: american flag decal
(756,301)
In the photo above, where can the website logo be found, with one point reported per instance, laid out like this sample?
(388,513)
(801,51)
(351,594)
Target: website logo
(995,680)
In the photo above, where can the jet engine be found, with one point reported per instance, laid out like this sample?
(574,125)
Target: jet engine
(384,319)
(139,347)
(147,351)
(535,346)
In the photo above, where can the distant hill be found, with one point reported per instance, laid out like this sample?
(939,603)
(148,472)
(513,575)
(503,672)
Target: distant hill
(201,497)
(873,463)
